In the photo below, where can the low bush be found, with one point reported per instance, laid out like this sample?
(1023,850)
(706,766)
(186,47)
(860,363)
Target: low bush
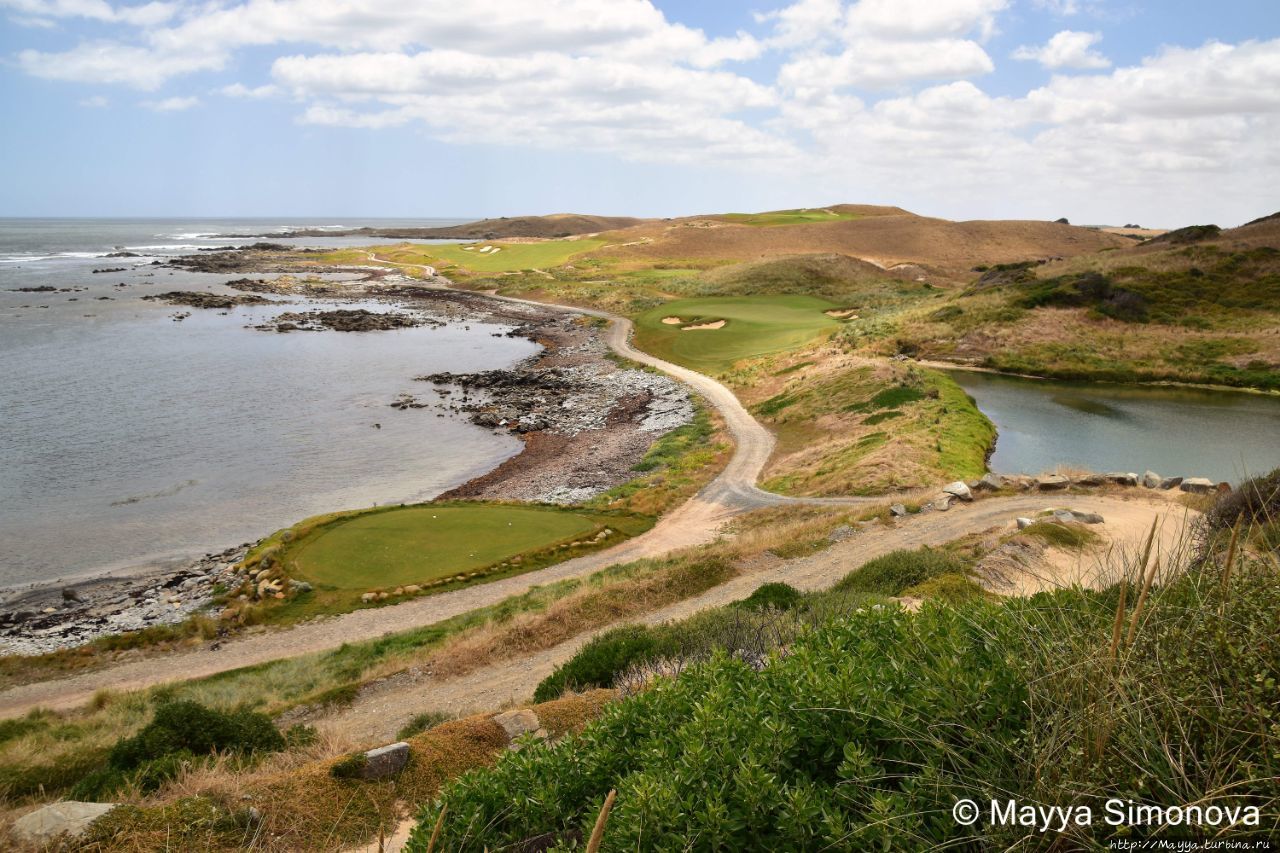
(189,726)
(1071,537)
(1254,502)
(866,733)
(897,571)
(779,596)
(600,661)
(421,722)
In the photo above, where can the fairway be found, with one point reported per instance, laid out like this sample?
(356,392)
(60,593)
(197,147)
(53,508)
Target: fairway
(512,256)
(787,217)
(420,544)
(754,326)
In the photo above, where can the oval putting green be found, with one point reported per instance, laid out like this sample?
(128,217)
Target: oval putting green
(690,332)
(420,544)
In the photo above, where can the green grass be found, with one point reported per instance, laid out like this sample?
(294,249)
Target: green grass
(755,326)
(787,217)
(512,256)
(1071,537)
(436,546)
(425,543)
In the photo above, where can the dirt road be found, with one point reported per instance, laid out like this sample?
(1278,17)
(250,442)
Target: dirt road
(695,522)
(383,708)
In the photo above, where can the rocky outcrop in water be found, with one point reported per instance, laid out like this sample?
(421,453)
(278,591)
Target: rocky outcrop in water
(344,320)
(202,299)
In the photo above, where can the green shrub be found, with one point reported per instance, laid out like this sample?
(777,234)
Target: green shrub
(779,596)
(865,734)
(1255,501)
(899,570)
(1068,536)
(599,662)
(189,726)
(952,588)
(421,722)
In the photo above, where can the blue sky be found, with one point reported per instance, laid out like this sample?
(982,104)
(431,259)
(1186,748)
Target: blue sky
(1099,110)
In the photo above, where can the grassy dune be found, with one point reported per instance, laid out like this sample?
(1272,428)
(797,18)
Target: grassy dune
(754,326)
(512,256)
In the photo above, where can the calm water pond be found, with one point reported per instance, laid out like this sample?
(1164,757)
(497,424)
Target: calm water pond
(1222,435)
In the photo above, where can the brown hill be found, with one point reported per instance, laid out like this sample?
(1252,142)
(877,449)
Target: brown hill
(885,240)
(529,227)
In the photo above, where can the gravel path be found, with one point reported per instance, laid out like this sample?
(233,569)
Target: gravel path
(694,523)
(383,708)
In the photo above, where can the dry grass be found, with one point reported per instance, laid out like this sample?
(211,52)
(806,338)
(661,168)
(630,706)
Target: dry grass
(299,805)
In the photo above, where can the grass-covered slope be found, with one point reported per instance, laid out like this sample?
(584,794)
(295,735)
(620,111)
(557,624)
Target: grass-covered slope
(865,732)
(1203,310)
(684,331)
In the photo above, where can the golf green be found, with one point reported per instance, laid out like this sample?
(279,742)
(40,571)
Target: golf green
(419,544)
(753,326)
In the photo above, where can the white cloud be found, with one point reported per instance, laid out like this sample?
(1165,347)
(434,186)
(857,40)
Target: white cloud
(172,105)
(240,90)
(1067,49)
(112,62)
(144,15)
(924,19)
(873,64)
(1062,8)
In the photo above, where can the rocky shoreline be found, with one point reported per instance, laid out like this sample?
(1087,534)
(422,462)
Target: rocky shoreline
(584,420)
(48,617)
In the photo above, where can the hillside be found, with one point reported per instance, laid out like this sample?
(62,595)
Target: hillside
(550,227)
(887,239)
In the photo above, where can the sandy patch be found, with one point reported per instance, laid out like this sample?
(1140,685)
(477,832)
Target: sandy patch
(717,324)
(671,321)
(842,313)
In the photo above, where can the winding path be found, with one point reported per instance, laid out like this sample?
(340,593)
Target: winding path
(693,523)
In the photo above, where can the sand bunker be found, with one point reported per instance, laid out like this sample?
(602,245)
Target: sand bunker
(716,324)
(671,321)
(842,313)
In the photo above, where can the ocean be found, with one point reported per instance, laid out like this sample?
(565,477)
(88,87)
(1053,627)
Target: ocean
(128,439)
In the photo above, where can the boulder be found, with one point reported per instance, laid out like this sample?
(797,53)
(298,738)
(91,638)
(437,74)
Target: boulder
(898,510)
(516,723)
(1092,480)
(942,502)
(1088,517)
(1023,523)
(958,489)
(1121,478)
(990,483)
(1199,485)
(1170,483)
(1052,482)
(1152,480)
(1065,516)
(69,818)
(385,761)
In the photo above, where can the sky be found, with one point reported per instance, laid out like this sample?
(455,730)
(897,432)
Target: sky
(1160,112)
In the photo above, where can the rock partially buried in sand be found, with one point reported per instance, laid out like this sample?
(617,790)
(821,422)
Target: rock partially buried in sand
(1199,485)
(69,818)
(1170,483)
(990,483)
(958,489)
(898,510)
(1152,480)
(1123,479)
(1023,523)
(384,762)
(1052,482)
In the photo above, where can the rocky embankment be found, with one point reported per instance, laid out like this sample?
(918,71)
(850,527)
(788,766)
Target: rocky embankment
(47,618)
(345,320)
(585,421)
(204,299)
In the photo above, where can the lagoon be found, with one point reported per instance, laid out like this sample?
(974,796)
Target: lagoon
(1223,435)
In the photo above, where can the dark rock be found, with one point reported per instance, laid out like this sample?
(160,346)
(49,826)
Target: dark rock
(1170,483)
(201,299)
